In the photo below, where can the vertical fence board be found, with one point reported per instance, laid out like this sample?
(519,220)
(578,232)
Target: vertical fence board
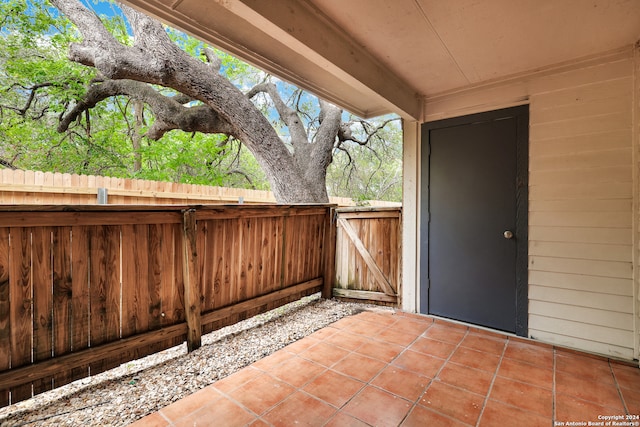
(104,290)
(135,279)
(155,277)
(303,247)
(62,298)
(276,247)
(29,179)
(104,285)
(253,267)
(217,258)
(275,251)
(206,248)
(274,254)
(81,257)
(316,247)
(310,265)
(264,257)
(251,255)
(154,285)
(300,239)
(244,258)
(18,179)
(233,268)
(172,291)
(20,299)
(42,276)
(5,309)
(290,249)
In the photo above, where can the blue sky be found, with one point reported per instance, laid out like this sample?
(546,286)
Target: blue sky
(102,7)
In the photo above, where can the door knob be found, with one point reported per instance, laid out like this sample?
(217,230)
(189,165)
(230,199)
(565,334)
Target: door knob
(508,234)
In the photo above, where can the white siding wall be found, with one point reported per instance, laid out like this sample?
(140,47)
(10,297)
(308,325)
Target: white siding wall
(581,233)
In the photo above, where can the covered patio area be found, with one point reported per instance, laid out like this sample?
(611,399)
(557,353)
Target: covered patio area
(383,369)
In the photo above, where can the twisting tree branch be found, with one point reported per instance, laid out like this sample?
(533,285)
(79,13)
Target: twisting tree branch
(244,175)
(7,164)
(32,95)
(346,134)
(299,137)
(169,112)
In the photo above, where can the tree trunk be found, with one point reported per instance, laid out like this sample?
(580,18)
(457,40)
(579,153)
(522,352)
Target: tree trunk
(295,177)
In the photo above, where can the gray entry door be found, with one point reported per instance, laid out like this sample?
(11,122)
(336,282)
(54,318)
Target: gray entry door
(474,227)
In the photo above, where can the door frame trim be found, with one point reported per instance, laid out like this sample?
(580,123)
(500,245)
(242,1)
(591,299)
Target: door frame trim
(521,114)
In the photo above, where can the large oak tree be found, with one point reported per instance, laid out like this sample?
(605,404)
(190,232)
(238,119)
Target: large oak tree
(204,100)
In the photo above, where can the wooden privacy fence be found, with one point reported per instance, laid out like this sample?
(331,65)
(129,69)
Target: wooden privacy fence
(84,289)
(368,254)
(41,188)
(19,187)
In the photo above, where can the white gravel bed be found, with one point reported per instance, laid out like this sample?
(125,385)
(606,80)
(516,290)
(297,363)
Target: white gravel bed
(140,387)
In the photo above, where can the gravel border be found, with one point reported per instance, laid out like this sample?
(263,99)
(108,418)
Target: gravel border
(140,387)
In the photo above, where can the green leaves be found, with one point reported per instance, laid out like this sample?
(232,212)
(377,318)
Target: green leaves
(371,172)
(39,85)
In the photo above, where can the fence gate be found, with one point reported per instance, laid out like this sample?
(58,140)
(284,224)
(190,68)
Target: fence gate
(368,254)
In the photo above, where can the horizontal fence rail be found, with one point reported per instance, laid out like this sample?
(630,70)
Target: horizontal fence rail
(86,288)
(368,254)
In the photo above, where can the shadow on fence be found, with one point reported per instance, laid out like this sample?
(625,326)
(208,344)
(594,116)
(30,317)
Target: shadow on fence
(86,288)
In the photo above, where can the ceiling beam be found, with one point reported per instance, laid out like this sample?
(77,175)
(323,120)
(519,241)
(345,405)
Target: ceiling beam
(296,42)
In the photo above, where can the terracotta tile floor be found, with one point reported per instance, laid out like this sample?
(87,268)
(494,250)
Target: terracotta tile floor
(382,369)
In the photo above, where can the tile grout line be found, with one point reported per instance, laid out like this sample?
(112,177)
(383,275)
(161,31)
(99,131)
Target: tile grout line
(259,417)
(554,414)
(233,400)
(387,364)
(367,383)
(438,373)
(351,351)
(615,380)
(493,380)
(406,347)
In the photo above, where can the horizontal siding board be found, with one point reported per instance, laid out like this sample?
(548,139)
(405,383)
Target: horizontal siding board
(607,190)
(593,109)
(571,297)
(615,139)
(584,160)
(563,232)
(602,334)
(614,69)
(613,174)
(588,316)
(612,206)
(581,282)
(580,126)
(573,95)
(581,219)
(557,338)
(581,251)
(620,270)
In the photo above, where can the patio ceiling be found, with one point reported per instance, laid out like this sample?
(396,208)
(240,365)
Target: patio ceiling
(378,56)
